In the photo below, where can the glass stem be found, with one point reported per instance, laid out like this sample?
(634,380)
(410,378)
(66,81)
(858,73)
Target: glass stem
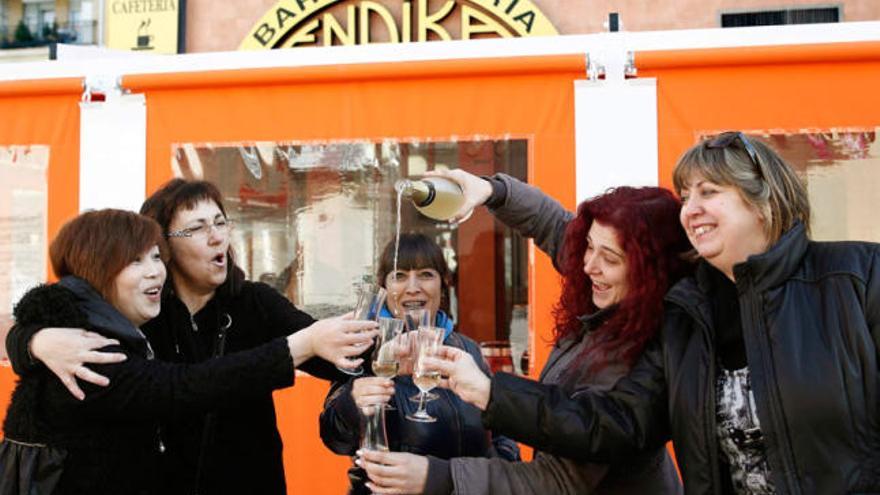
(422,396)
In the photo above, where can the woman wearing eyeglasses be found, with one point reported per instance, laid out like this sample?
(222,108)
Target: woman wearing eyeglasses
(208,309)
(421,282)
(765,375)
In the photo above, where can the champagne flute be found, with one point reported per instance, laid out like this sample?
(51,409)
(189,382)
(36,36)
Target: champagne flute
(428,341)
(374,436)
(385,361)
(415,319)
(371,297)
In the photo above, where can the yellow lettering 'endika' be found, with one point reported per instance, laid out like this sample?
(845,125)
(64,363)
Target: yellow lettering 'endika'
(292,23)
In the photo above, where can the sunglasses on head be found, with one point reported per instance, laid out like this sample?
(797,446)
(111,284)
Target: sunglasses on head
(726,139)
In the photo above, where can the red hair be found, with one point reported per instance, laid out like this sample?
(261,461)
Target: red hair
(646,221)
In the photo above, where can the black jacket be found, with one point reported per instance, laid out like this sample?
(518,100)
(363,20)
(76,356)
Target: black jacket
(811,324)
(242,450)
(650,472)
(111,438)
(238,446)
(458,431)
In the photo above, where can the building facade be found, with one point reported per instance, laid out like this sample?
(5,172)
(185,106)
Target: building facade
(212,26)
(34,23)
(211,29)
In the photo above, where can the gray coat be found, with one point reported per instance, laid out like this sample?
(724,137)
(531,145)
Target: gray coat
(541,218)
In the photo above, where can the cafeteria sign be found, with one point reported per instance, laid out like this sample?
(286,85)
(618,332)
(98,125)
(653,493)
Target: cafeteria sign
(143,25)
(351,22)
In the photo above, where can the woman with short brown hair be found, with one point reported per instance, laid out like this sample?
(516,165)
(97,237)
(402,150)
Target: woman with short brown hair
(111,270)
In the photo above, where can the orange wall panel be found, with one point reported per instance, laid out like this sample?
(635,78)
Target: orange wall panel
(52,118)
(782,96)
(309,469)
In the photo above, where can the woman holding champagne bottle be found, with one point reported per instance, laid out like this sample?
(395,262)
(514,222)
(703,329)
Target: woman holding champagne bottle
(765,374)
(420,283)
(617,257)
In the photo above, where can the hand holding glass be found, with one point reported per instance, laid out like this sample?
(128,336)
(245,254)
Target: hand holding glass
(427,342)
(370,298)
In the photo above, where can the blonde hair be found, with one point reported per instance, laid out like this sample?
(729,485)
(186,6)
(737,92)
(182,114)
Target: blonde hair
(761,176)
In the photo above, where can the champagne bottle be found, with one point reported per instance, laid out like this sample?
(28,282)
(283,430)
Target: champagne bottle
(434,197)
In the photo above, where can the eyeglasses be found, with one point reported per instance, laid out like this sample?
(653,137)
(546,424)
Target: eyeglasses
(201,231)
(401,277)
(726,139)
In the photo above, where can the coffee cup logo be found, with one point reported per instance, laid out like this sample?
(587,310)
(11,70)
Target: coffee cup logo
(144,39)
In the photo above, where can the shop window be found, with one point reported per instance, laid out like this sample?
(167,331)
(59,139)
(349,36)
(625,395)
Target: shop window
(780,17)
(841,168)
(4,22)
(23,213)
(312,220)
(81,23)
(40,18)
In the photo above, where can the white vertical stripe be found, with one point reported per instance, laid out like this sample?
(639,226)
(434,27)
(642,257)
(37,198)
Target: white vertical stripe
(113,153)
(615,135)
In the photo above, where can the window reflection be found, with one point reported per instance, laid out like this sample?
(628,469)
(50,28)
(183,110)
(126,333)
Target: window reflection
(312,220)
(23,214)
(841,168)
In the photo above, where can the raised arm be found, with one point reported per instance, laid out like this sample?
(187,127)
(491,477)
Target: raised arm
(142,388)
(66,351)
(520,206)
(154,389)
(588,426)
(150,389)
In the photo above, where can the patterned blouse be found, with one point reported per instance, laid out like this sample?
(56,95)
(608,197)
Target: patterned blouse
(739,434)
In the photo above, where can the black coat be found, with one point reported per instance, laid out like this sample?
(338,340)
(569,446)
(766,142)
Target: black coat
(238,446)
(242,450)
(111,438)
(811,324)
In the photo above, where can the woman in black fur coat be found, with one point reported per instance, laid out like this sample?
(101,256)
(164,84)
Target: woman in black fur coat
(108,442)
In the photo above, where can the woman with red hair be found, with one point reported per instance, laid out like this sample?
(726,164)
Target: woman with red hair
(618,256)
